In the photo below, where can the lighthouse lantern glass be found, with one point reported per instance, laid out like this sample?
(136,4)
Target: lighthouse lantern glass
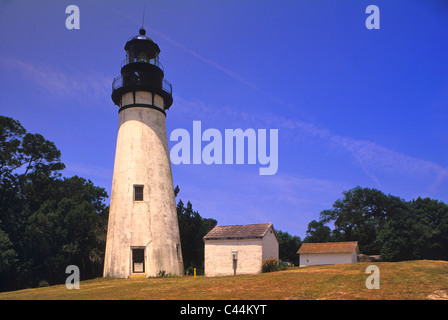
(141,53)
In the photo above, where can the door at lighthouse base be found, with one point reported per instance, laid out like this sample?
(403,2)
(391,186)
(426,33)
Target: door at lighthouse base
(138,260)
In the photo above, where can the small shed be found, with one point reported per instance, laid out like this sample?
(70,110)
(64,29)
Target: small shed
(239,249)
(328,253)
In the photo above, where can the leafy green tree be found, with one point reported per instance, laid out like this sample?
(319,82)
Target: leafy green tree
(358,217)
(386,224)
(397,236)
(70,228)
(8,256)
(11,133)
(192,228)
(288,247)
(417,230)
(47,222)
(32,152)
(432,222)
(317,232)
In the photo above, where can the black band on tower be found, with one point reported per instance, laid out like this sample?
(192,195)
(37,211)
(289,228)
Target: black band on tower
(142,105)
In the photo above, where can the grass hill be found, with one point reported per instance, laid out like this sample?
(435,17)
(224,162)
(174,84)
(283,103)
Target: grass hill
(416,280)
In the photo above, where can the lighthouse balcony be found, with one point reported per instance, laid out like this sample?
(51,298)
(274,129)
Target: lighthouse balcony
(141,82)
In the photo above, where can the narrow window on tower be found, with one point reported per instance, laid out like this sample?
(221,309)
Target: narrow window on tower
(138,193)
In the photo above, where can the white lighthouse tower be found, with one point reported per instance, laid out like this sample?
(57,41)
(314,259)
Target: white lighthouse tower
(143,232)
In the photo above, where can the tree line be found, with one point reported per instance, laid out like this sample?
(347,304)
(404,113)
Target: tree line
(48,222)
(386,225)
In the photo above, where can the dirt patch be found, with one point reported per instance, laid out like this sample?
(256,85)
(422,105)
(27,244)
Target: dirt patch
(438,295)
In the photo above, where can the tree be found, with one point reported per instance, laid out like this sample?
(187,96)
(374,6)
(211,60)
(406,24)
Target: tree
(417,230)
(358,216)
(288,246)
(70,228)
(432,221)
(46,222)
(192,228)
(19,148)
(397,236)
(8,256)
(11,133)
(317,232)
(386,224)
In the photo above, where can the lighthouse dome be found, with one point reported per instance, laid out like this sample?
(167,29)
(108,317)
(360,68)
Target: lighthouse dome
(141,48)
(141,36)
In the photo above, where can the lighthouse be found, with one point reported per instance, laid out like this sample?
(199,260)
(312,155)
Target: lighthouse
(143,232)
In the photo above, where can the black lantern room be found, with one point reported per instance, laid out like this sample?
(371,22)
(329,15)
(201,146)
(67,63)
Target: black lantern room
(142,71)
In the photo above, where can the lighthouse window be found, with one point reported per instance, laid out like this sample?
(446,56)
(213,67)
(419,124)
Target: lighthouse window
(138,193)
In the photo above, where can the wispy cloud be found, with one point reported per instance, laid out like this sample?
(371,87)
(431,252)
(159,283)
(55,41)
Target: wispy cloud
(210,62)
(371,157)
(59,82)
(374,159)
(223,69)
(239,196)
(381,158)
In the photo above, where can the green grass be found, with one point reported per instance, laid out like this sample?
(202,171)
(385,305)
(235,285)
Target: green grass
(416,280)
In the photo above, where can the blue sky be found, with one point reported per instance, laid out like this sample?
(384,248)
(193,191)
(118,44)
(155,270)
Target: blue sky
(352,106)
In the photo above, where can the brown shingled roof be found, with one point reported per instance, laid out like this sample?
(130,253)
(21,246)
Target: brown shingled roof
(247,231)
(327,247)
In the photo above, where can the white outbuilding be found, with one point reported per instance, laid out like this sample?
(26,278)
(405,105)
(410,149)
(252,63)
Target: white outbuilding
(328,253)
(239,249)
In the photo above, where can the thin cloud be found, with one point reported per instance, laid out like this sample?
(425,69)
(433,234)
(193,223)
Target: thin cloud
(62,83)
(372,158)
(284,192)
(378,157)
(221,68)
(207,61)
